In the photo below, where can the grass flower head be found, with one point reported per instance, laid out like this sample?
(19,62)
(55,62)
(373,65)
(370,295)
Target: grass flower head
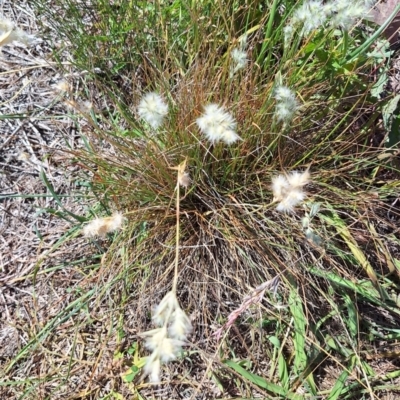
(101,226)
(279,187)
(9,33)
(153,109)
(345,14)
(288,190)
(181,326)
(167,341)
(292,199)
(239,61)
(310,15)
(217,125)
(286,105)
(298,179)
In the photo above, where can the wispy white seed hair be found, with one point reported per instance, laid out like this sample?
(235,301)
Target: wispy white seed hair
(9,33)
(292,199)
(165,347)
(152,368)
(181,326)
(167,341)
(288,32)
(283,93)
(280,186)
(153,109)
(239,61)
(311,15)
(218,125)
(287,103)
(345,14)
(165,309)
(299,179)
(101,226)
(155,338)
(184,179)
(62,86)
(169,349)
(288,190)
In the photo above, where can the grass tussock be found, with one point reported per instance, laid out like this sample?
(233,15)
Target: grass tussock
(277,242)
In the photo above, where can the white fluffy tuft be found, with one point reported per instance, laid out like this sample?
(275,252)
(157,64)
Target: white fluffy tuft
(153,109)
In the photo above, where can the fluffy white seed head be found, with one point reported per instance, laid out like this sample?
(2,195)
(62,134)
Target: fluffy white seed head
(292,198)
(345,14)
(181,326)
(239,61)
(288,32)
(280,186)
(283,112)
(217,124)
(170,349)
(184,179)
(166,342)
(155,338)
(102,226)
(9,33)
(283,93)
(298,179)
(152,368)
(311,15)
(288,190)
(153,109)
(287,103)
(165,308)
(62,86)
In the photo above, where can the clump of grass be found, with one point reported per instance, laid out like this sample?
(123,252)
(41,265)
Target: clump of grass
(229,236)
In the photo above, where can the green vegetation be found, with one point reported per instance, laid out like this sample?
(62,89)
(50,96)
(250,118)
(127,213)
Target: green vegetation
(332,321)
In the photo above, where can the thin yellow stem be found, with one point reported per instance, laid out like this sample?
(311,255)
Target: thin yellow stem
(175,282)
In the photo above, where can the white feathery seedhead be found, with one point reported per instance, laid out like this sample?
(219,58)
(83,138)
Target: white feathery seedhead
(239,61)
(217,124)
(152,368)
(184,179)
(288,31)
(153,109)
(181,326)
(283,112)
(95,228)
(283,93)
(102,226)
(165,309)
(166,342)
(155,338)
(345,14)
(288,190)
(62,86)
(9,34)
(165,348)
(311,14)
(280,186)
(298,179)
(239,57)
(170,349)
(287,103)
(115,222)
(293,197)
(230,136)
